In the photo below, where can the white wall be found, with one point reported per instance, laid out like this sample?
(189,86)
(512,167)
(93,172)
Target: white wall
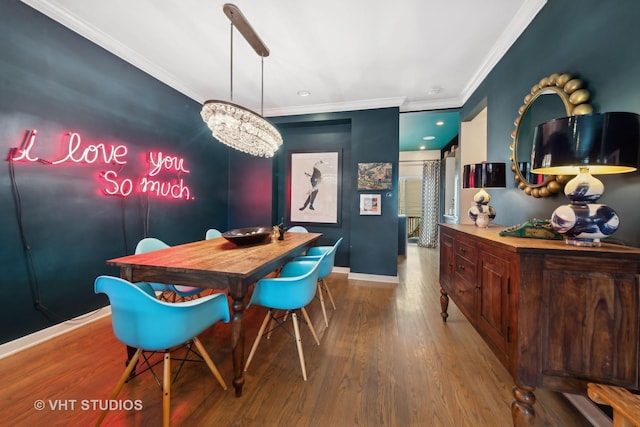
(410,165)
(473,149)
(449,185)
(410,180)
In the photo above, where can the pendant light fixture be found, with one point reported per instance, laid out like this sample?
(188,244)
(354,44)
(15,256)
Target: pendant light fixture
(232,124)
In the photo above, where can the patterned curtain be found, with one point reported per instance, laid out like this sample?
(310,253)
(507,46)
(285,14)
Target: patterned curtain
(430,204)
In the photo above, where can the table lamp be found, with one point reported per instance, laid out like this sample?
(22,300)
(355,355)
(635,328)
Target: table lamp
(585,145)
(483,175)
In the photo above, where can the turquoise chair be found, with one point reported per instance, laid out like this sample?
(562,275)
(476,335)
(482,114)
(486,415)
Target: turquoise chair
(326,266)
(212,233)
(290,292)
(297,229)
(143,322)
(150,244)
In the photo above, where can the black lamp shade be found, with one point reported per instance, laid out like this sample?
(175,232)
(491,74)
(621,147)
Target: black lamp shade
(472,176)
(484,175)
(603,142)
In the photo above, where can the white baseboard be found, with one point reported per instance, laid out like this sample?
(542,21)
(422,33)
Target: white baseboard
(23,343)
(365,277)
(589,410)
(373,278)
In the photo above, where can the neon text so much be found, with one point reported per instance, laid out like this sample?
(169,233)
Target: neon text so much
(153,182)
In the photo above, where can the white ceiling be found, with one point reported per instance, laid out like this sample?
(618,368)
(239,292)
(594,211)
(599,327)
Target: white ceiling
(350,54)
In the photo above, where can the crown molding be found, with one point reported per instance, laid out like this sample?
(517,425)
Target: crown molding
(520,22)
(523,18)
(434,104)
(366,104)
(61,15)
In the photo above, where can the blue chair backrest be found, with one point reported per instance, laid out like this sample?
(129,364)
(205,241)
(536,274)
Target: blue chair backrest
(212,233)
(142,321)
(297,229)
(294,288)
(329,260)
(149,244)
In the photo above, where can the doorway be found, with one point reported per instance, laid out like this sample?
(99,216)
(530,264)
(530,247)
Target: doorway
(424,136)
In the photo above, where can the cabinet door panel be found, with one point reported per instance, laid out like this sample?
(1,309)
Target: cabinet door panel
(590,326)
(493,299)
(446,262)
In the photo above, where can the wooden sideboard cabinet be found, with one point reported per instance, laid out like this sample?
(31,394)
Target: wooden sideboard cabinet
(556,316)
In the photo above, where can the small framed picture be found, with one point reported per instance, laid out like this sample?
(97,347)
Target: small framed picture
(374,176)
(370,204)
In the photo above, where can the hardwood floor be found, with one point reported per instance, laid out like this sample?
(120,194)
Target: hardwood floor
(386,359)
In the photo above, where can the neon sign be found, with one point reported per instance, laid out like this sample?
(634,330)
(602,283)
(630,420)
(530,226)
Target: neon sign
(162,161)
(152,182)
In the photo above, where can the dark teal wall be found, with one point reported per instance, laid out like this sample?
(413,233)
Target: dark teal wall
(319,136)
(596,41)
(250,191)
(370,243)
(56,81)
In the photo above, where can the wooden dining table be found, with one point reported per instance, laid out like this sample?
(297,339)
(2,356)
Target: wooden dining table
(217,264)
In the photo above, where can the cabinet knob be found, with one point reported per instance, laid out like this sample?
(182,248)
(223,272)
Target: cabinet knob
(461,267)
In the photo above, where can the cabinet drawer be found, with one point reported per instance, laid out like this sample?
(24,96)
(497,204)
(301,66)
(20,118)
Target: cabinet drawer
(467,250)
(463,296)
(465,268)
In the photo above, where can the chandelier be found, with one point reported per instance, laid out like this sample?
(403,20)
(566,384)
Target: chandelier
(232,124)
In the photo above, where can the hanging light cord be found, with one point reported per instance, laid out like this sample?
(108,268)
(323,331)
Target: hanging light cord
(231,62)
(240,22)
(231,75)
(234,125)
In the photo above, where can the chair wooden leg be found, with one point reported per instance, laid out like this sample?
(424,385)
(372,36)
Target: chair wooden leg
(210,364)
(324,310)
(166,391)
(296,328)
(121,381)
(258,338)
(313,330)
(326,288)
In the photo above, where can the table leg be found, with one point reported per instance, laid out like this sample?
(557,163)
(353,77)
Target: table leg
(237,341)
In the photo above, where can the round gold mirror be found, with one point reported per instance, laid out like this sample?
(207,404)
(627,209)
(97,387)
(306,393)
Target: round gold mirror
(558,95)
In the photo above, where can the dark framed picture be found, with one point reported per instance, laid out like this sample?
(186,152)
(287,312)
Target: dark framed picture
(370,204)
(314,183)
(374,176)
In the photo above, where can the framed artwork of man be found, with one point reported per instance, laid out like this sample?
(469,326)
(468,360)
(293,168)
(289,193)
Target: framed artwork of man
(314,182)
